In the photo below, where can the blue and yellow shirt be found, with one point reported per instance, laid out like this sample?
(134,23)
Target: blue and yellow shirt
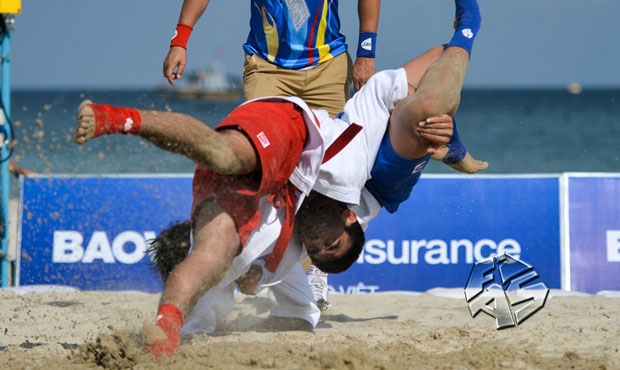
(295,34)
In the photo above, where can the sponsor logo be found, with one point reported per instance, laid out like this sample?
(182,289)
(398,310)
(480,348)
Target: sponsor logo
(127,247)
(419,167)
(502,288)
(128,124)
(360,288)
(263,139)
(299,12)
(467,33)
(613,245)
(367,44)
(435,251)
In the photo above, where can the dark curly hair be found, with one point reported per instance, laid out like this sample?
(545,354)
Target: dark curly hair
(170,248)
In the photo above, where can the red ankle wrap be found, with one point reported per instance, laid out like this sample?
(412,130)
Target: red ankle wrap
(114,120)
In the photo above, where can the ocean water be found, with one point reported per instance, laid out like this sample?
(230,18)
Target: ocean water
(516,131)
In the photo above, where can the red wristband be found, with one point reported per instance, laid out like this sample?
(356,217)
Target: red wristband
(170,320)
(115,120)
(181,36)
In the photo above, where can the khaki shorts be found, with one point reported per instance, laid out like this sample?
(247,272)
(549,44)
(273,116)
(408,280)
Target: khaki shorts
(326,86)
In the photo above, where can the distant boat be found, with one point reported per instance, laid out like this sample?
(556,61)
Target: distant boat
(207,84)
(575,88)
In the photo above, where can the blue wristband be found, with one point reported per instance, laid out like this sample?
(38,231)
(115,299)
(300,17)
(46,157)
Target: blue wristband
(367,44)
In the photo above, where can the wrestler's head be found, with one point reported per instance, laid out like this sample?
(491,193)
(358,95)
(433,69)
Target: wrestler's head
(330,232)
(170,248)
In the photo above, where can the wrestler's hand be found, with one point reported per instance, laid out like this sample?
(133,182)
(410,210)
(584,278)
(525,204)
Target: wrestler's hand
(165,336)
(248,281)
(175,60)
(437,130)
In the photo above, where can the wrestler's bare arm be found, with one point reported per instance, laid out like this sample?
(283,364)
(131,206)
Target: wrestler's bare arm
(249,281)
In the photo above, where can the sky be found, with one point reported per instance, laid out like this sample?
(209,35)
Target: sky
(67,44)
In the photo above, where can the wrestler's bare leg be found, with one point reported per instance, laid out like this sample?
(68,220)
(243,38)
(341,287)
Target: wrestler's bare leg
(227,152)
(215,244)
(415,70)
(438,94)
(170,248)
(439,89)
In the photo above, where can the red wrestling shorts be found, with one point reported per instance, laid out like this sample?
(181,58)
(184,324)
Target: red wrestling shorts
(278,132)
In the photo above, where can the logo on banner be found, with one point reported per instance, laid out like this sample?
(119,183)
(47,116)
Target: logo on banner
(359,288)
(613,245)
(435,251)
(127,247)
(503,288)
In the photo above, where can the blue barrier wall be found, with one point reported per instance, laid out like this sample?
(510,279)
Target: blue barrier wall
(448,223)
(594,232)
(91,232)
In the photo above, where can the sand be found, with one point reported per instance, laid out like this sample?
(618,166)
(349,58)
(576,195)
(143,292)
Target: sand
(61,328)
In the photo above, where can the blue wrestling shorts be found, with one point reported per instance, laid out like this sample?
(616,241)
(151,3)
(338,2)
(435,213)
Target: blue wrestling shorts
(393,177)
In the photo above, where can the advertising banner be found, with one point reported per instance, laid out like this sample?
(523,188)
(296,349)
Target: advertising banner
(92,232)
(451,222)
(594,229)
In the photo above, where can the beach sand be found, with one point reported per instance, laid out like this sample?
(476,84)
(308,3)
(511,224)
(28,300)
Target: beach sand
(45,328)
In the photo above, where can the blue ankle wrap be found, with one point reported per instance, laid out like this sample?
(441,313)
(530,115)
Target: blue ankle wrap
(456,148)
(468,13)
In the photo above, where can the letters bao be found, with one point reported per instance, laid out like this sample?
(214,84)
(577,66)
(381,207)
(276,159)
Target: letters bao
(127,247)
(435,251)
